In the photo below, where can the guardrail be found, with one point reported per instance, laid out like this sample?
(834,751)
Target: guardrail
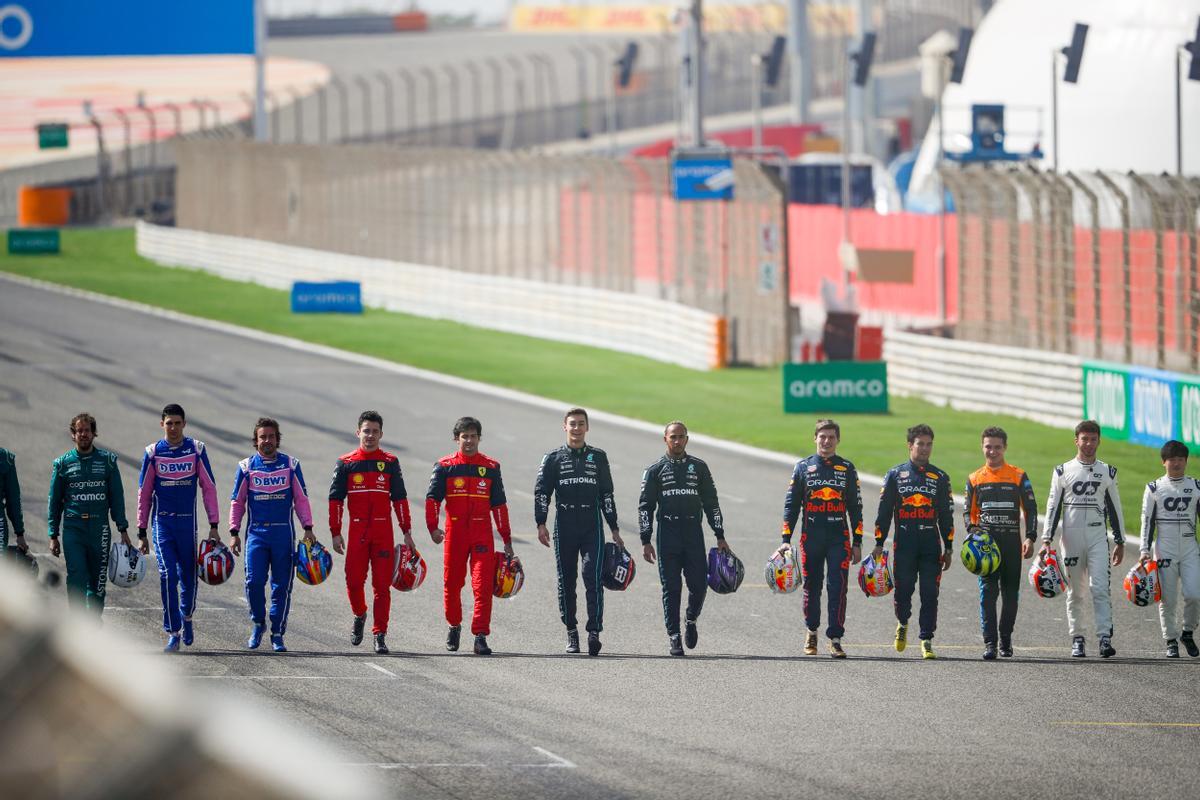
(628,323)
(971,376)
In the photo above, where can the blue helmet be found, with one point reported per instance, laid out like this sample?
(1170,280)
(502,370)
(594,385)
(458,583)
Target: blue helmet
(313,564)
(725,571)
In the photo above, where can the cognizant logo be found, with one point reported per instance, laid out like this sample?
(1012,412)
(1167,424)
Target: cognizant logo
(843,387)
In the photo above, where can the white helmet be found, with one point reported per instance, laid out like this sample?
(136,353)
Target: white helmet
(126,565)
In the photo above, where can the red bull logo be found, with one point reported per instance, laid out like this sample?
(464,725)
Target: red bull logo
(916,506)
(826,493)
(916,501)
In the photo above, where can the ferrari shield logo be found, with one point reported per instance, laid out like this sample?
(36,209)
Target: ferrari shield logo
(483,472)
(381,465)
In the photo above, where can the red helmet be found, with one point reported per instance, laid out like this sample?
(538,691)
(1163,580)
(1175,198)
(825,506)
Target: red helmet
(510,575)
(215,562)
(1046,575)
(410,570)
(1142,586)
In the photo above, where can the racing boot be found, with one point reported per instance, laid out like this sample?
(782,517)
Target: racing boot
(356,634)
(594,644)
(810,644)
(1189,644)
(256,634)
(927,649)
(1077,648)
(691,636)
(452,637)
(277,643)
(572,641)
(380,645)
(1172,649)
(989,651)
(676,645)
(172,643)
(901,637)
(1106,648)
(835,649)
(481,646)
(189,635)
(1006,650)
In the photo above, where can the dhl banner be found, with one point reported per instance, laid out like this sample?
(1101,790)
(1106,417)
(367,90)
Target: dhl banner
(654,18)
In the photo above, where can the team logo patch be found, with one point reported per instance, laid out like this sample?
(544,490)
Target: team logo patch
(482,471)
(358,478)
(483,486)
(839,468)
(459,483)
(812,467)
(903,473)
(381,465)
(933,475)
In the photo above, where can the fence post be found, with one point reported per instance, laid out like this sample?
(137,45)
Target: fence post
(1097,308)
(1123,201)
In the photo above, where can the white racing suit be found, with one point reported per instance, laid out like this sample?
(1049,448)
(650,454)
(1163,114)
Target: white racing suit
(1084,498)
(1169,516)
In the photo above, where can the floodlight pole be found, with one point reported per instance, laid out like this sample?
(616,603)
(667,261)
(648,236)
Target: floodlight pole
(260,70)
(943,310)
(756,62)
(1054,108)
(1179,106)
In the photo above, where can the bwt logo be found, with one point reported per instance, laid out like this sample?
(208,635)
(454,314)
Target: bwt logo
(269,481)
(175,467)
(1085,488)
(16,27)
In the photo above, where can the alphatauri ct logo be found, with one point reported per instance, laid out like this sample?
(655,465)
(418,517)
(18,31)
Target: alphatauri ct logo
(826,388)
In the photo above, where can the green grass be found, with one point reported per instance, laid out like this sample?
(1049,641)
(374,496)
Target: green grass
(739,404)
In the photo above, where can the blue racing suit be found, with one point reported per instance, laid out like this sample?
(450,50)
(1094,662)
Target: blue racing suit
(167,488)
(268,491)
(822,494)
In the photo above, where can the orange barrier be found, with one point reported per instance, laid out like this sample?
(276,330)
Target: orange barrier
(43,207)
(411,21)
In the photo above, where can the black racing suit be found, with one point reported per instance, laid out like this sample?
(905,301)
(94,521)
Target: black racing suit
(581,483)
(677,493)
(920,502)
(10,499)
(826,490)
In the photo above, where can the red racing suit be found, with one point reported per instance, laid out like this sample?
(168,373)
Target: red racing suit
(472,489)
(368,482)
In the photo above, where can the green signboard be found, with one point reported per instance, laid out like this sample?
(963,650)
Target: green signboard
(1140,405)
(51,135)
(843,386)
(24,241)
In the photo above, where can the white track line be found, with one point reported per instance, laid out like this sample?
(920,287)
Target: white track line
(512,395)
(381,669)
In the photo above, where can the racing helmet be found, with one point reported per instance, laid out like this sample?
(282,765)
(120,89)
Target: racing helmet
(510,575)
(619,567)
(313,562)
(215,563)
(410,570)
(725,571)
(782,572)
(126,565)
(1046,575)
(874,576)
(1142,586)
(23,560)
(979,554)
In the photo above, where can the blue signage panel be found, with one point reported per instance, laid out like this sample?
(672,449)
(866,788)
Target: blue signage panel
(702,178)
(1152,409)
(338,297)
(125,28)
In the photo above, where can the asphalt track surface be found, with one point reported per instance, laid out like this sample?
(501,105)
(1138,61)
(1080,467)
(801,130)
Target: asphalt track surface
(745,714)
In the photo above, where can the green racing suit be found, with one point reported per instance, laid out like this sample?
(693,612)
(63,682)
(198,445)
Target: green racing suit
(10,499)
(84,490)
